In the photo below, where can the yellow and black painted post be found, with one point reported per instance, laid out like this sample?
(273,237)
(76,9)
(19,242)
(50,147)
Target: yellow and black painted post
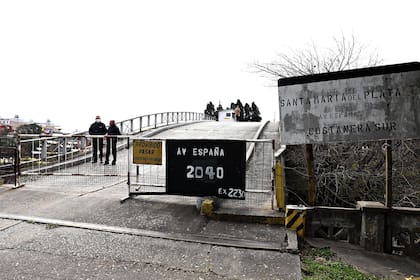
(295,219)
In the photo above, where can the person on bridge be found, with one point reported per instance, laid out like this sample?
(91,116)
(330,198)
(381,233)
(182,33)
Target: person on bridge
(237,112)
(97,128)
(111,142)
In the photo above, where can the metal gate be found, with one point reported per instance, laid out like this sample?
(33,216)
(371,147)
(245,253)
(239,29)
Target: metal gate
(151,178)
(66,160)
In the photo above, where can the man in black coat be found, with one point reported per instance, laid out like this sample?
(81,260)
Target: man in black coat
(97,128)
(111,142)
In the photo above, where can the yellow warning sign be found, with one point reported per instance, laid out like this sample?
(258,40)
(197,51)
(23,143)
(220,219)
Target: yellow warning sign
(147,152)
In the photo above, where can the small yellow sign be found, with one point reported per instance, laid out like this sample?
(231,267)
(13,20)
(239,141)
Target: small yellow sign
(147,152)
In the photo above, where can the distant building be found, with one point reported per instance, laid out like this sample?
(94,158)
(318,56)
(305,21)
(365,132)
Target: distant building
(13,123)
(226,115)
(4,121)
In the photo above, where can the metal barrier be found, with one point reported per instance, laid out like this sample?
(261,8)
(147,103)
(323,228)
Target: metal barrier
(71,155)
(259,177)
(67,160)
(148,179)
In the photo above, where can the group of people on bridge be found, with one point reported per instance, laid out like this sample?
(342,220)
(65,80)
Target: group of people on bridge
(98,128)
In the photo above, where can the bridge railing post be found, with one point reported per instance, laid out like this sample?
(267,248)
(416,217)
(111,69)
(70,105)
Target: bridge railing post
(44,150)
(155,120)
(17,159)
(65,150)
(140,123)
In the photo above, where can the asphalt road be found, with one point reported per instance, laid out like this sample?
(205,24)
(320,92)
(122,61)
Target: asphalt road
(165,237)
(47,251)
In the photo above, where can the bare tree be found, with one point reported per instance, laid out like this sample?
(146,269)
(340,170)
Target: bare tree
(346,53)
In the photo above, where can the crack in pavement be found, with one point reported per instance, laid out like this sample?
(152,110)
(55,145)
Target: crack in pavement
(10,226)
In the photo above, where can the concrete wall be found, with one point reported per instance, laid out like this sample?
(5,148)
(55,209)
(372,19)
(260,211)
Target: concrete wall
(334,223)
(371,225)
(404,225)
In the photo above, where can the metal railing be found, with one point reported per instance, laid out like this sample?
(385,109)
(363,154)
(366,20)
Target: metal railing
(71,145)
(146,122)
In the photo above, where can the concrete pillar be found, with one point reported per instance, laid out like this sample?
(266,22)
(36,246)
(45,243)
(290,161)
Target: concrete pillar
(372,235)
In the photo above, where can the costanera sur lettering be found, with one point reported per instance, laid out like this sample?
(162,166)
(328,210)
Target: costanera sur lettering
(352,128)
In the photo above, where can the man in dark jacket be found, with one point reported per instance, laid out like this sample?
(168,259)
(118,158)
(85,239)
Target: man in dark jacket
(97,128)
(111,142)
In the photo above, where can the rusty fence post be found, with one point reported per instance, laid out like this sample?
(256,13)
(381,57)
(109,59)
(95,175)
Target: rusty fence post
(388,173)
(311,174)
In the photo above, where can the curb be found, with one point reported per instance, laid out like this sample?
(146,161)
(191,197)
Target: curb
(270,217)
(251,148)
(264,217)
(182,237)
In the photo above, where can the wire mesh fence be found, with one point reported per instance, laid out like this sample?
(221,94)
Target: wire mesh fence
(69,160)
(56,160)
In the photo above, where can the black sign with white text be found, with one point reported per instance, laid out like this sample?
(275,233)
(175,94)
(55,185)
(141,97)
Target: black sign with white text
(206,168)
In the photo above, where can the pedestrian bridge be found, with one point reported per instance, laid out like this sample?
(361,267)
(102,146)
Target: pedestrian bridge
(63,162)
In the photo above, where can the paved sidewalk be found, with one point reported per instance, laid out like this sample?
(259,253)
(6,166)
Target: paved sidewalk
(381,265)
(115,241)
(74,227)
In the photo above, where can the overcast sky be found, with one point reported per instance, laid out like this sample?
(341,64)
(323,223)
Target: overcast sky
(69,61)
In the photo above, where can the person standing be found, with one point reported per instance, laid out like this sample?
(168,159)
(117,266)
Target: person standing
(97,128)
(111,142)
(237,113)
